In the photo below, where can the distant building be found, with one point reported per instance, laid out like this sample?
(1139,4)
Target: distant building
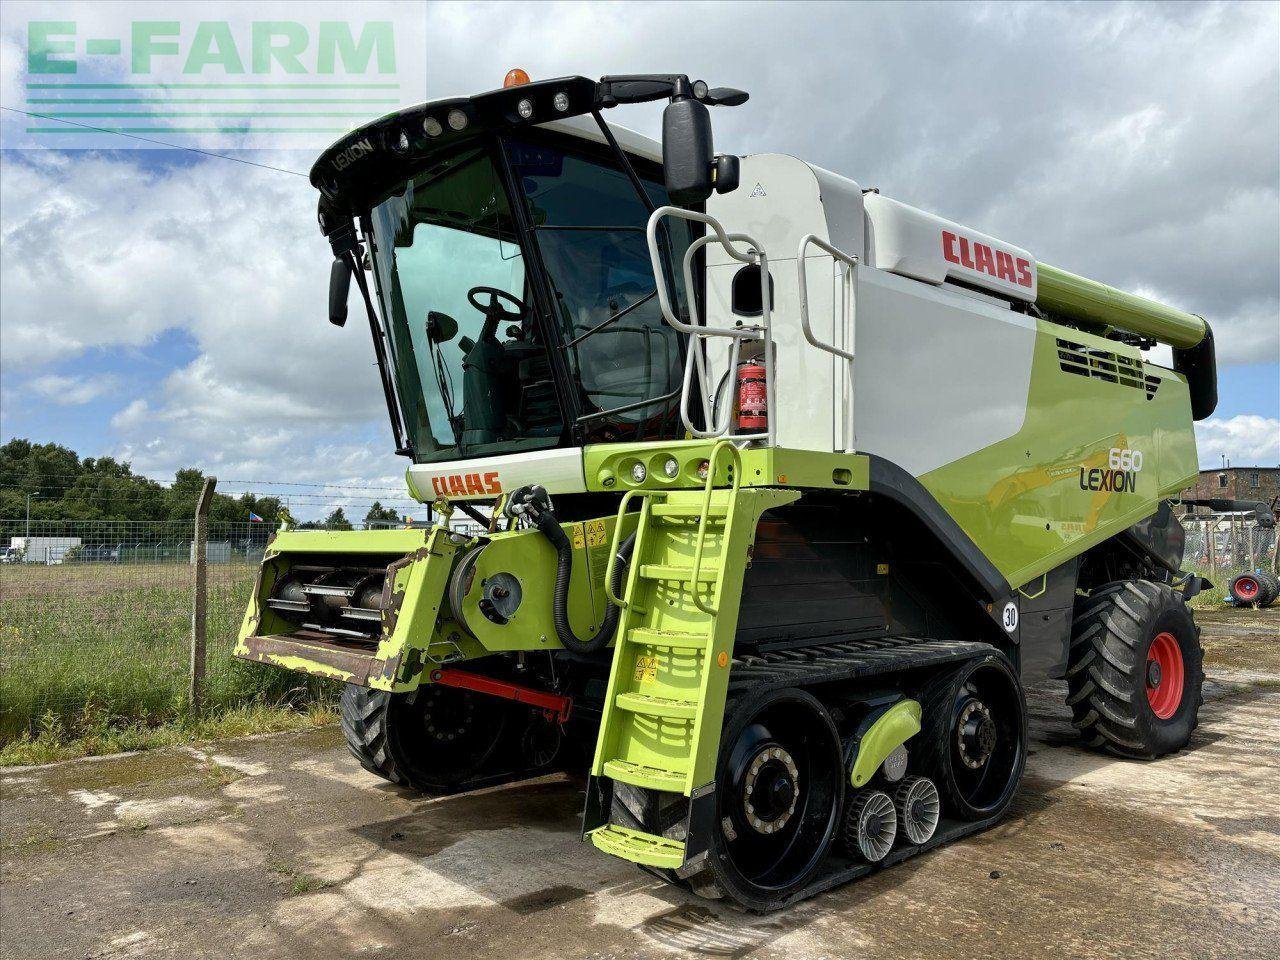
(1236,483)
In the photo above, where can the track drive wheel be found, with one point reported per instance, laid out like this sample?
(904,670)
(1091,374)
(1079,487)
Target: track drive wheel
(433,739)
(973,739)
(779,791)
(1136,670)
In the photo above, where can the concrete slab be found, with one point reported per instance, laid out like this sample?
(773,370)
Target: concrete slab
(283,847)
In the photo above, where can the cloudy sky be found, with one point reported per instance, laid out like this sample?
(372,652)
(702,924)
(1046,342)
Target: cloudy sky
(168,308)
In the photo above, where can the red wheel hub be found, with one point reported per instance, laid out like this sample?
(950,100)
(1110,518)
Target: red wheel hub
(1248,588)
(1165,675)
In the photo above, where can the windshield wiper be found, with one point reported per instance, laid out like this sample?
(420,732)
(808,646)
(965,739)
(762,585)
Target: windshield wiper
(611,320)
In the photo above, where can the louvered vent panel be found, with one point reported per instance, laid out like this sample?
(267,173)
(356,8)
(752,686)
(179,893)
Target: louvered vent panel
(1104,365)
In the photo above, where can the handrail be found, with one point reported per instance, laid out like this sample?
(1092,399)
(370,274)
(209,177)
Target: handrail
(752,254)
(700,543)
(849,316)
(614,546)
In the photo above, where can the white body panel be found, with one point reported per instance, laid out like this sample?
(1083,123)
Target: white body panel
(939,373)
(913,243)
(560,471)
(779,202)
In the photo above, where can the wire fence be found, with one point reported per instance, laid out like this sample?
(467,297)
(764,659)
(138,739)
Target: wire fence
(1221,546)
(96,615)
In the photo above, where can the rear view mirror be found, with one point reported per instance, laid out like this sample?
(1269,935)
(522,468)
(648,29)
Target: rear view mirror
(339,287)
(687,153)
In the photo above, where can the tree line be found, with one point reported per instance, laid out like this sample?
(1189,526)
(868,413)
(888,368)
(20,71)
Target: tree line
(63,486)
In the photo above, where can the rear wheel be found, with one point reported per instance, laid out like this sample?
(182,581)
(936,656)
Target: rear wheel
(1271,588)
(779,791)
(1136,670)
(1249,589)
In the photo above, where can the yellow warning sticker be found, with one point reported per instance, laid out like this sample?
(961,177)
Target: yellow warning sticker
(646,669)
(579,541)
(597,535)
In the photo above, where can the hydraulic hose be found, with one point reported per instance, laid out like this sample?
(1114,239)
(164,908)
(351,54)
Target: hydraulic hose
(550,527)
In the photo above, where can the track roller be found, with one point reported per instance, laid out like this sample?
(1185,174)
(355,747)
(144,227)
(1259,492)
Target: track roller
(919,807)
(870,826)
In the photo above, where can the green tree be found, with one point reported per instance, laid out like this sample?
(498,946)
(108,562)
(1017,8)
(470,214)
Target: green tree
(380,514)
(337,520)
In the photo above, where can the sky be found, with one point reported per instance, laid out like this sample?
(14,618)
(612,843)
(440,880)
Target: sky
(169,309)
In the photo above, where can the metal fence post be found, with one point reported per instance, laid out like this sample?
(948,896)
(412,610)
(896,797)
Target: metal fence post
(199,597)
(1211,531)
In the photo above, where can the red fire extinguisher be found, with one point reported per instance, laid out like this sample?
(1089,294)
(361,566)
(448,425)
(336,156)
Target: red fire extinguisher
(753,397)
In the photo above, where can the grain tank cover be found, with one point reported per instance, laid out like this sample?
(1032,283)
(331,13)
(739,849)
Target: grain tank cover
(920,245)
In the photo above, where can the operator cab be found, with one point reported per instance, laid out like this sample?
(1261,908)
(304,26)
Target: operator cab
(515,297)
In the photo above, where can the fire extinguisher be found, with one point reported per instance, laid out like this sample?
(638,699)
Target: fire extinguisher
(753,397)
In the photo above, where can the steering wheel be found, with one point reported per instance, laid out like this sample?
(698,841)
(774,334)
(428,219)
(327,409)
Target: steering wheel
(494,309)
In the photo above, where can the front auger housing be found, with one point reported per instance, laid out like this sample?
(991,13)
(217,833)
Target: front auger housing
(382,608)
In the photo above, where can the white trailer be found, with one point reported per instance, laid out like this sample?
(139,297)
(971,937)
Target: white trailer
(47,550)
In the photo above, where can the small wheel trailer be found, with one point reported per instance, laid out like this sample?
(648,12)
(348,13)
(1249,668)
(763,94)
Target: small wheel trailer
(784,490)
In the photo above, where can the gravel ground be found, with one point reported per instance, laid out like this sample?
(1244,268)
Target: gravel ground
(282,846)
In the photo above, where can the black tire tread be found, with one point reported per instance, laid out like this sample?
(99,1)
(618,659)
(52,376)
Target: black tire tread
(1271,588)
(1110,630)
(364,724)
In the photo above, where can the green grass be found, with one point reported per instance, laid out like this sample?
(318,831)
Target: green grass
(94,658)
(97,735)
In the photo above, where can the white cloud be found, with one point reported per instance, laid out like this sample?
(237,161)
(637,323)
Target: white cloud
(1246,440)
(72,391)
(1138,144)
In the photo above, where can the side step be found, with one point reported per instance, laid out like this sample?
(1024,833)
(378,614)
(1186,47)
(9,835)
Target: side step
(639,847)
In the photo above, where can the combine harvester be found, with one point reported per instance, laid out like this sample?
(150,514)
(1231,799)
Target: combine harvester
(787,488)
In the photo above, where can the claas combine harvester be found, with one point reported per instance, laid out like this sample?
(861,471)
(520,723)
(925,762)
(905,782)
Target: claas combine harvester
(784,489)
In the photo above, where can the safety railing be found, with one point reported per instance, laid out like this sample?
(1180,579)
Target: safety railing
(848,318)
(750,252)
(615,546)
(701,542)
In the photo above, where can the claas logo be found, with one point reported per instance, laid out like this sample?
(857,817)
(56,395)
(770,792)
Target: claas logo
(466,484)
(985,259)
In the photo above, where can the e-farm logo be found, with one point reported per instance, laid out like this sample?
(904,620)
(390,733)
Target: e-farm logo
(300,82)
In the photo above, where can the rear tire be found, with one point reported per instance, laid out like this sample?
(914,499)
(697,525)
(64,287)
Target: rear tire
(1136,670)
(1251,590)
(1271,588)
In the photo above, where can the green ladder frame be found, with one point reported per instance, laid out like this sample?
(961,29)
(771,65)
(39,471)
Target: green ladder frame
(664,705)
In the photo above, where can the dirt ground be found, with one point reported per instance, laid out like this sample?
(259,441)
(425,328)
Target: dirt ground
(282,846)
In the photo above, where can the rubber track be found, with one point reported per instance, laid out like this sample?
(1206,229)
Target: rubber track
(364,723)
(829,663)
(1109,629)
(847,660)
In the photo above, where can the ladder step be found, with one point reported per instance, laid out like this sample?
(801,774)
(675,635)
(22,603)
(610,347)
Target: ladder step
(668,639)
(638,847)
(638,775)
(658,571)
(688,511)
(657,706)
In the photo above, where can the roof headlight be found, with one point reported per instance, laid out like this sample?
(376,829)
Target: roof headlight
(561,101)
(457,120)
(525,108)
(431,127)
